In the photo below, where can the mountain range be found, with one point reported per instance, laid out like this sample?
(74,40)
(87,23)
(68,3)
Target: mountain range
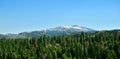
(50,32)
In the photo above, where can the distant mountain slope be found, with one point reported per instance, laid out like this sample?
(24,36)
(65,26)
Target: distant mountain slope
(2,36)
(51,32)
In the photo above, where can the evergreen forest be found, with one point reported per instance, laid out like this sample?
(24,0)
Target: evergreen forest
(98,45)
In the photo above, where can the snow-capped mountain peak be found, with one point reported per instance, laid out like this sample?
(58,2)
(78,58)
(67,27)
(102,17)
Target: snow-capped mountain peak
(72,28)
(60,30)
(75,27)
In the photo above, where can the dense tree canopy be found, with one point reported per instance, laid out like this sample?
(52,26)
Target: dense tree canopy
(99,45)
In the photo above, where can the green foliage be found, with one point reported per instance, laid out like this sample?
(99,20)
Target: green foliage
(100,45)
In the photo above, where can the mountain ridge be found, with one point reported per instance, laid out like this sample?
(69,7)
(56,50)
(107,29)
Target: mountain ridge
(50,32)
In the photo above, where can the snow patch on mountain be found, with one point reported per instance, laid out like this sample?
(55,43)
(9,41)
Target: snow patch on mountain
(72,28)
(76,27)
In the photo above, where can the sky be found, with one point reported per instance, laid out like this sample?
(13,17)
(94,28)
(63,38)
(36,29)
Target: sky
(29,15)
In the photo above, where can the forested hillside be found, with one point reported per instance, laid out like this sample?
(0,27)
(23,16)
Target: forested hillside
(99,45)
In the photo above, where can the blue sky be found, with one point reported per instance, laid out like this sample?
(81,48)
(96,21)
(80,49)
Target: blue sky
(29,15)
